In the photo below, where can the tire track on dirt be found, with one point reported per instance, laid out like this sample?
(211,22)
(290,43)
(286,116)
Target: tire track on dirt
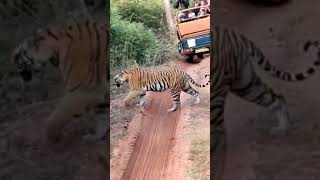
(150,150)
(149,158)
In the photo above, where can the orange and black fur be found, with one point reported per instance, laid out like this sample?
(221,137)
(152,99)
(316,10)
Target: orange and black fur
(78,50)
(142,80)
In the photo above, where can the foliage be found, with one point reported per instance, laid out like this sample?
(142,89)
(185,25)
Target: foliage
(150,13)
(134,43)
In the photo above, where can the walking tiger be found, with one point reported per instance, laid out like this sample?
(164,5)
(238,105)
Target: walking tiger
(78,50)
(142,80)
(232,72)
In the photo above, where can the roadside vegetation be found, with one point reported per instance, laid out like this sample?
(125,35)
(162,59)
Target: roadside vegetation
(138,38)
(138,34)
(199,136)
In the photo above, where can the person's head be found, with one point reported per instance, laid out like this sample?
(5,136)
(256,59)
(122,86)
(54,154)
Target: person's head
(202,11)
(182,16)
(191,14)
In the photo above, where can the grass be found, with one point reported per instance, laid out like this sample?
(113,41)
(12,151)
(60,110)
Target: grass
(199,154)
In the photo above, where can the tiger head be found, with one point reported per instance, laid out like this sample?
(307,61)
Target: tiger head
(121,78)
(33,54)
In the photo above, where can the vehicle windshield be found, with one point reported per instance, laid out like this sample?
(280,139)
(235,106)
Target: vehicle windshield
(192,14)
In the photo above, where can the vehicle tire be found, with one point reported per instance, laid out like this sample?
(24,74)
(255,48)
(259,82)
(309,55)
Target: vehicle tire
(190,58)
(200,56)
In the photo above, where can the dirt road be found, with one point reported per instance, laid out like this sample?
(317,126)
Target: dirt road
(24,156)
(150,156)
(159,150)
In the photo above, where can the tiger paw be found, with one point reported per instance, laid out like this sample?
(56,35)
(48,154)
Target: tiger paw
(141,102)
(142,111)
(140,105)
(196,100)
(174,108)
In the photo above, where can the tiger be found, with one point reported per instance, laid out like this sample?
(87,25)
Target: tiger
(169,78)
(232,72)
(79,51)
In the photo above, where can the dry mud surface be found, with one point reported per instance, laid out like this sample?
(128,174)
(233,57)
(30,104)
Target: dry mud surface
(155,147)
(24,156)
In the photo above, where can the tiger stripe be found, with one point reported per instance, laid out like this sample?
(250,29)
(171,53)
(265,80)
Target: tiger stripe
(79,49)
(141,80)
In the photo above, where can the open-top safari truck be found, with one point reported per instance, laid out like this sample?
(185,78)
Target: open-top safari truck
(193,31)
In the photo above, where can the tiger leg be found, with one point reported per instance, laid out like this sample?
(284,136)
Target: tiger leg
(175,93)
(218,132)
(195,94)
(142,101)
(141,98)
(132,94)
(251,88)
(69,107)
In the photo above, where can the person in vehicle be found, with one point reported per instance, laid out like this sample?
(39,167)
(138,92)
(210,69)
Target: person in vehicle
(200,3)
(181,17)
(191,14)
(203,11)
(182,4)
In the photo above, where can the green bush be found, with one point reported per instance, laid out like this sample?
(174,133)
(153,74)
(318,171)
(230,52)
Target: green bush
(150,13)
(134,44)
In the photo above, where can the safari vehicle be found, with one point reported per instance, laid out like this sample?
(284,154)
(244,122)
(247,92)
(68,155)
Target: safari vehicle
(193,31)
